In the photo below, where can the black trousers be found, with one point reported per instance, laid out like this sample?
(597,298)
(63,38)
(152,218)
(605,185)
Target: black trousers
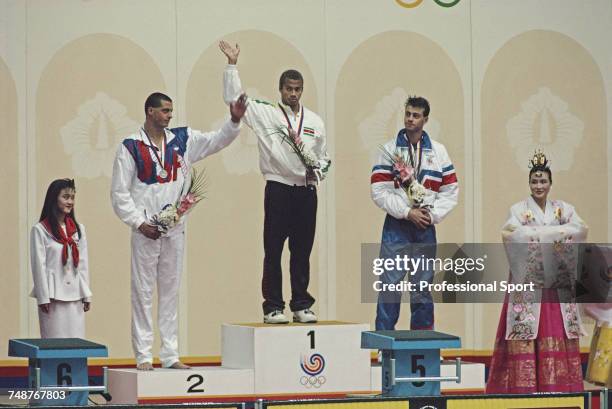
(290,213)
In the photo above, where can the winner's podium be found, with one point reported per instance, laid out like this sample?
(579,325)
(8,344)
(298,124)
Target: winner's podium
(259,360)
(131,386)
(325,357)
(411,360)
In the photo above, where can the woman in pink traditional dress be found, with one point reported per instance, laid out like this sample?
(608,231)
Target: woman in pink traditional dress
(537,343)
(58,255)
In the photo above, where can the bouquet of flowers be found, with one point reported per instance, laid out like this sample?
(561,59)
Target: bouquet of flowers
(193,191)
(290,137)
(405,177)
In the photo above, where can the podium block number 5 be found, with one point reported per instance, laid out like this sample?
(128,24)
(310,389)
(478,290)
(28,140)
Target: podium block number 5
(199,380)
(311,334)
(416,367)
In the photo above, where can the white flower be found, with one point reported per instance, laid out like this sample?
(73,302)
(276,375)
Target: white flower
(167,218)
(416,194)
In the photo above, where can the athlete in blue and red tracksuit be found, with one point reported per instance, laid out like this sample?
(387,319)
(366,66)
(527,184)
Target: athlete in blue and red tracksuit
(409,230)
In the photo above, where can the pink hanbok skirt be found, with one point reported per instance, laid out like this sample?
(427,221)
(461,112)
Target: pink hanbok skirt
(549,363)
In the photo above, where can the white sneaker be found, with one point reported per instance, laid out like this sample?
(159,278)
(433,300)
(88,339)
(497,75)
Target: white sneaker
(275,317)
(304,316)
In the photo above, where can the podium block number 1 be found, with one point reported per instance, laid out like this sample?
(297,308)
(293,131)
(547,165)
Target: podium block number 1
(311,334)
(197,381)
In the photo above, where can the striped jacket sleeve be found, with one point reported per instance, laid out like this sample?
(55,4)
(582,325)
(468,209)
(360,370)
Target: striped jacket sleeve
(448,194)
(383,191)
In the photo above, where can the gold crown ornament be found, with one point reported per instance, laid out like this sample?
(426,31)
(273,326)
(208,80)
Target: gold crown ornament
(538,161)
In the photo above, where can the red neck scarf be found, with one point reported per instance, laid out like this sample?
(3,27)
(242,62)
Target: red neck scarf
(66,240)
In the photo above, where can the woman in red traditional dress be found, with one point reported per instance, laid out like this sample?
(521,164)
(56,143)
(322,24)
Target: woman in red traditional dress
(537,344)
(58,257)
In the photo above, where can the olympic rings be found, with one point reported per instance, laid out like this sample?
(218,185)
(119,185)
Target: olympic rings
(409,5)
(313,381)
(416,3)
(443,4)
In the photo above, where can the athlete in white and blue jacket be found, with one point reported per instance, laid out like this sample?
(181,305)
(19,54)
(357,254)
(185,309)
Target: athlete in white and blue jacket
(405,226)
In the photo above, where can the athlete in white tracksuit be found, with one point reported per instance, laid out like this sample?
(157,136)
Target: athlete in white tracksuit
(140,189)
(290,200)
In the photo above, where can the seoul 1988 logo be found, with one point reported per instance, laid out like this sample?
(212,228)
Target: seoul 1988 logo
(313,366)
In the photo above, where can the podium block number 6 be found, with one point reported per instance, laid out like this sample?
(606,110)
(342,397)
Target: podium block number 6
(64,372)
(199,380)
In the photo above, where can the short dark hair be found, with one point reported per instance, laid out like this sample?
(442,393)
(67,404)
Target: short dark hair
(289,75)
(155,100)
(418,102)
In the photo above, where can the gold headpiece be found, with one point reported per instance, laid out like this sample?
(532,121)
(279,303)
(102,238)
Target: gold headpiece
(538,161)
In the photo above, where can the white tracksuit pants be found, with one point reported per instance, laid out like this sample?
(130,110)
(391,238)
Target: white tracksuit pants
(156,261)
(65,319)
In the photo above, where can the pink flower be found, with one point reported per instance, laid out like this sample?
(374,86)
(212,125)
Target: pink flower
(186,203)
(183,207)
(190,198)
(517,308)
(405,172)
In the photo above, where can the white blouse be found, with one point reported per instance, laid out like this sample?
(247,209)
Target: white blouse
(52,280)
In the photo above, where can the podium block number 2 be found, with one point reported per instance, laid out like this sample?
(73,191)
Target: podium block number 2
(197,380)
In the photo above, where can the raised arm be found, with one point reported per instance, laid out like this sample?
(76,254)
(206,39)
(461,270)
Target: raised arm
(232,87)
(202,144)
(230,52)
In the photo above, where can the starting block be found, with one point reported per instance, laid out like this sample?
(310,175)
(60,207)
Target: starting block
(411,360)
(58,369)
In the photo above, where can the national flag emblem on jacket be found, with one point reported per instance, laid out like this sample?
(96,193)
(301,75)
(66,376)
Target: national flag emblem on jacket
(309,131)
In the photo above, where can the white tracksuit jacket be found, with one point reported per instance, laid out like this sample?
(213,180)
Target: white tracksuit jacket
(277,161)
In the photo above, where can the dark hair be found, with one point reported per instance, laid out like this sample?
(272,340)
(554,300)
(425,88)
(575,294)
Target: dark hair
(418,102)
(289,75)
(541,169)
(49,210)
(155,100)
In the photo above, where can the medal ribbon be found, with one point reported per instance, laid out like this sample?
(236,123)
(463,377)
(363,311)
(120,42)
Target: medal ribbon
(299,131)
(416,156)
(155,149)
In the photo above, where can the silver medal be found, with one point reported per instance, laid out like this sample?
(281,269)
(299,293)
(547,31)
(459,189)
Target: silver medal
(163,174)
